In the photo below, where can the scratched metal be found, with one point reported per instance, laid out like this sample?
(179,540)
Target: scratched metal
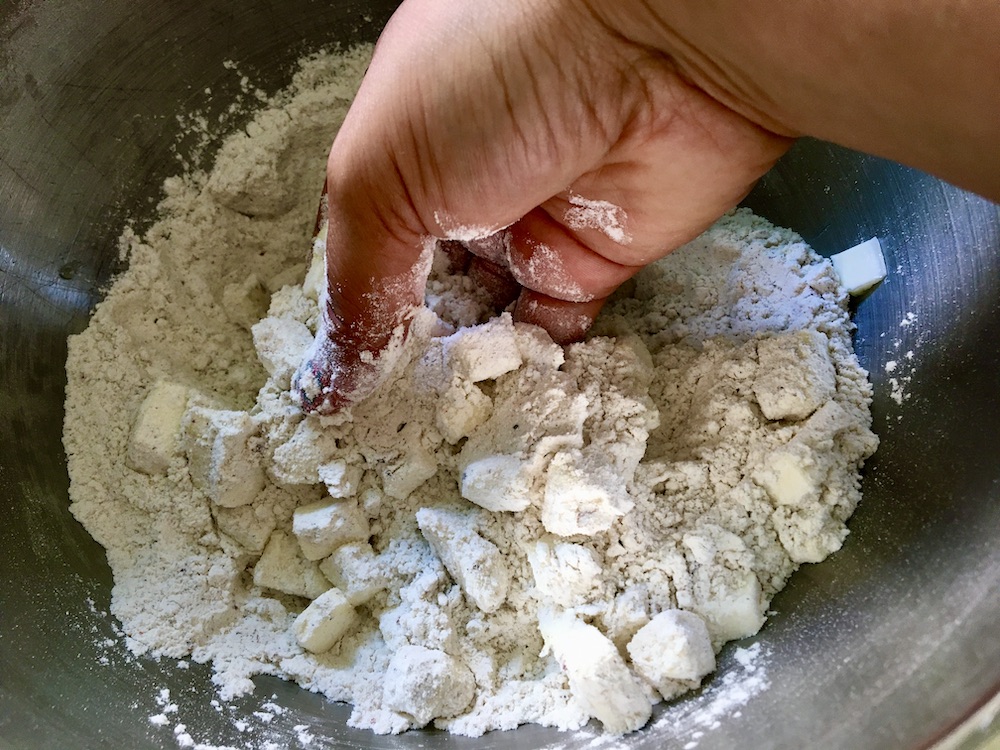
(892,643)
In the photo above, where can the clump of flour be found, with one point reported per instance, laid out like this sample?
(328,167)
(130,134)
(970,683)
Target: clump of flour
(506,531)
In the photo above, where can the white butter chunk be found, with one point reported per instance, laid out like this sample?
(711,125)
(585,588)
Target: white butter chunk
(475,563)
(425,683)
(860,267)
(354,569)
(324,621)
(220,458)
(245,524)
(735,610)
(281,343)
(154,438)
(403,477)
(322,527)
(486,351)
(600,681)
(341,478)
(796,374)
(565,574)
(673,651)
(583,495)
(497,483)
(283,568)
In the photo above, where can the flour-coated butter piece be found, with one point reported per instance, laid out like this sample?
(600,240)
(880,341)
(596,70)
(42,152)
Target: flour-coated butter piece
(154,440)
(484,352)
(796,374)
(425,683)
(281,344)
(323,526)
(474,563)
(673,652)
(497,483)
(221,459)
(599,679)
(282,567)
(324,622)
(354,569)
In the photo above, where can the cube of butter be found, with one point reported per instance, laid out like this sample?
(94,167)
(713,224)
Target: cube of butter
(154,439)
(283,568)
(322,527)
(425,683)
(673,651)
(860,267)
(281,343)
(475,563)
(221,461)
(486,351)
(324,621)
(353,568)
(795,376)
(600,681)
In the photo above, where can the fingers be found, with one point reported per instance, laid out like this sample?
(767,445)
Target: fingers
(496,280)
(564,321)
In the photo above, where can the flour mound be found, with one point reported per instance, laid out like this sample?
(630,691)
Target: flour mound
(507,531)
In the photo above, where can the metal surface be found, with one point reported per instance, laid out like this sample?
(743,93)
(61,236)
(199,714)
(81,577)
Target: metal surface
(892,643)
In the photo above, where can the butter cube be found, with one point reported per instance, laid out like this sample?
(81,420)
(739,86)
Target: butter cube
(298,460)
(341,479)
(221,461)
(281,343)
(497,483)
(474,563)
(322,527)
(796,375)
(673,651)
(463,407)
(484,352)
(353,568)
(734,610)
(324,621)
(788,475)
(860,267)
(154,438)
(415,467)
(425,683)
(283,568)
(581,498)
(565,574)
(599,680)
(245,524)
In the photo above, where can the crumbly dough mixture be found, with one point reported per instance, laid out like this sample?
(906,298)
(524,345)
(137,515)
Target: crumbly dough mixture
(507,531)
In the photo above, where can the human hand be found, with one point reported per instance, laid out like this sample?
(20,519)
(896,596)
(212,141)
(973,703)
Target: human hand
(547,120)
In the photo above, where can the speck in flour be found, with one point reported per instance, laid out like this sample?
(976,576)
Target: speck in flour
(507,531)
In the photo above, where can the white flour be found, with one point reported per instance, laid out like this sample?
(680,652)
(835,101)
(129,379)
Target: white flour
(505,532)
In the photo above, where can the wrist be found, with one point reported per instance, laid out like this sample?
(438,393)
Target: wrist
(912,81)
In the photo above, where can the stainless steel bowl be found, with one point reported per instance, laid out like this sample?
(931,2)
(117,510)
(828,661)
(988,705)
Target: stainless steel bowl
(892,643)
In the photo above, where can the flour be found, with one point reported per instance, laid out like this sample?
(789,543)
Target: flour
(506,531)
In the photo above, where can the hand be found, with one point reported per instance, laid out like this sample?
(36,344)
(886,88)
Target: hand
(538,117)
(604,134)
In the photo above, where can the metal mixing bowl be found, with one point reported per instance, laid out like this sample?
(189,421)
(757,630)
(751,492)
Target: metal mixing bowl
(894,642)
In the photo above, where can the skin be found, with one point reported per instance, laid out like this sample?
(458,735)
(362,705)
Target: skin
(516,115)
